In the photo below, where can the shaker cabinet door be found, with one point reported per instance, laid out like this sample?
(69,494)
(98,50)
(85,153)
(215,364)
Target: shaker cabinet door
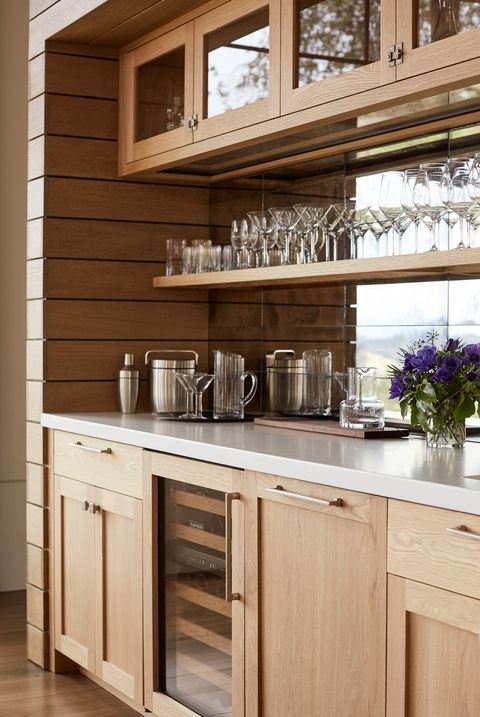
(332,50)
(437,34)
(118,592)
(433,651)
(318,597)
(74,572)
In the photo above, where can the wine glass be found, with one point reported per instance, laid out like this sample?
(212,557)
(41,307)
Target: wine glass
(455,192)
(237,242)
(408,205)
(265,223)
(427,196)
(311,215)
(287,219)
(390,203)
(196,384)
(375,228)
(385,223)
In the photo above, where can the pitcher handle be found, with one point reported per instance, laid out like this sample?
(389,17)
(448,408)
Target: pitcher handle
(251,393)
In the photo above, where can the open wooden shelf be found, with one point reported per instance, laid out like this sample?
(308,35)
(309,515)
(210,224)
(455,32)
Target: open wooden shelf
(409,266)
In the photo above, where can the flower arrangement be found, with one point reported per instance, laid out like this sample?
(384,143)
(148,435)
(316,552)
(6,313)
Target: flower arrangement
(440,386)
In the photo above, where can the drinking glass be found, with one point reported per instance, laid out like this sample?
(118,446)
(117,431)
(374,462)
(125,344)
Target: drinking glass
(266,224)
(174,256)
(311,215)
(236,241)
(196,384)
(227,257)
(333,219)
(386,224)
(455,192)
(375,228)
(427,196)
(229,400)
(287,219)
(407,203)
(390,203)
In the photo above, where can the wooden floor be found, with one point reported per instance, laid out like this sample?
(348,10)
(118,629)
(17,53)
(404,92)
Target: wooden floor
(29,691)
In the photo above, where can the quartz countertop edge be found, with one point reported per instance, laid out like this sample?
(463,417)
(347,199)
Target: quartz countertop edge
(403,469)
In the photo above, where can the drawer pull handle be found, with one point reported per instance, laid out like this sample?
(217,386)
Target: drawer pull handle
(463,532)
(229,595)
(338,502)
(78,444)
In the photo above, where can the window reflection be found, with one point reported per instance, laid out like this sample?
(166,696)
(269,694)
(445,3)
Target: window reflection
(439,19)
(335,37)
(238,63)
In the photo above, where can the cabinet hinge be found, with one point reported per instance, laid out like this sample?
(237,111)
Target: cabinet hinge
(193,122)
(395,54)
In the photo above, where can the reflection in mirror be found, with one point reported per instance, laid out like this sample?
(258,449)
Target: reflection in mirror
(238,63)
(439,19)
(334,38)
(160,93)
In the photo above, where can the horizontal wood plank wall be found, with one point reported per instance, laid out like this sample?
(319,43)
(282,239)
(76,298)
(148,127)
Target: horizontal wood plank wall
(94,244)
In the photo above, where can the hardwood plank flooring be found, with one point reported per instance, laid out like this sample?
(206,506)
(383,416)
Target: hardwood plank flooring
(28,691)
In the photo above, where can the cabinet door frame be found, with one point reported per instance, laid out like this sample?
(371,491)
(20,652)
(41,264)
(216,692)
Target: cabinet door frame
(132,150)
(371,511)
(342,86)
(407,596)
(82,654)
(130,508)
(158,466)
(251,114)
(436,55)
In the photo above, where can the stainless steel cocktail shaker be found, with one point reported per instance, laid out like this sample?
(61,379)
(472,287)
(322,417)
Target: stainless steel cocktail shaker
(128,385)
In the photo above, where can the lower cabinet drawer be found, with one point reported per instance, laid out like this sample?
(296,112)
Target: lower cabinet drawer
(435,546)
(105,464)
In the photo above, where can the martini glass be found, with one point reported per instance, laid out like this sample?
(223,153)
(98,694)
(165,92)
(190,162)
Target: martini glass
(195,384)
(311,216)
(287,219)
(333,219)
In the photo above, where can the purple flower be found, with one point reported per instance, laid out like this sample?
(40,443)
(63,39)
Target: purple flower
(397,386)
(452,363)
(425,358)
(471,354)
(452,344)
(472,376)
(442,375)
(407,364)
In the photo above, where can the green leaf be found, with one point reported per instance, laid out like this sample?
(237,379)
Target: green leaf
(464,408)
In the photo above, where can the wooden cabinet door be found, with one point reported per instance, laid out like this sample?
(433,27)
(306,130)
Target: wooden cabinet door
(118,592)
(237,66)
(433,651)
(417,26)
(333,50)
(74,572)
(316,601)
(156,96)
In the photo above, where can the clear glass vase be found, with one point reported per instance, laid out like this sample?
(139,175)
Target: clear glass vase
(446,432)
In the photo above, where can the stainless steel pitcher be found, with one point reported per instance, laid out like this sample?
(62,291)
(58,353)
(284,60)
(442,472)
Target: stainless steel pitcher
(166,395)
(284,382)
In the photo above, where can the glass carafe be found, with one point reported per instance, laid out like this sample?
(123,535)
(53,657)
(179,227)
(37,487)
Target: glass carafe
(362,409)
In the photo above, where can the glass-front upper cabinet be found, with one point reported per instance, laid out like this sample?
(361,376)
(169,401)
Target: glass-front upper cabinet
(237,66)
(333,49)
(437,34)
(156,95)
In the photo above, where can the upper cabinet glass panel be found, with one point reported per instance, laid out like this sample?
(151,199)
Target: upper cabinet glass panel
(238,64)
(333,37)
(160,95)
(441,19)
(332,50)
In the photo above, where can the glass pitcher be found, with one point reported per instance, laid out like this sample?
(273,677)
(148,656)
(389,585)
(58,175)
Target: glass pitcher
(228,397)
(362,409)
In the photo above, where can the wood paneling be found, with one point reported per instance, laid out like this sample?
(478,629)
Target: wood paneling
(82,117)
(35,199)
(84,76)
(36,77)
(36,443)
(37,646)
(36,117)
(37,607)
(35,238)
(37,566)
(56,17)
(36,485)
(35,360)
(36,526)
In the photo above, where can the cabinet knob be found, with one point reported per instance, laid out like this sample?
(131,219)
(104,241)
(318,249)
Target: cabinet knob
(94,508)
(84,505)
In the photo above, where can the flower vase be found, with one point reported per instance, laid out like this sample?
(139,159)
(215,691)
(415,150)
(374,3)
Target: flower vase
(446,432)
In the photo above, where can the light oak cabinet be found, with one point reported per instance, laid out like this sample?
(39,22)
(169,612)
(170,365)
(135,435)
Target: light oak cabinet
(433,629)
(98,583)
(215,74)
(316,601)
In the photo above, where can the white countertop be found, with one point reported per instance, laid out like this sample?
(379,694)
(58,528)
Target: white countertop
(403,468)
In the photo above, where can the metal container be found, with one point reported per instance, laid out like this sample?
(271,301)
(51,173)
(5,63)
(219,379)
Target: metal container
(167,396)
(284,382)
(128,385)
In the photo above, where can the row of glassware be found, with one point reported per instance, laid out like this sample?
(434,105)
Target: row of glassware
(424,196)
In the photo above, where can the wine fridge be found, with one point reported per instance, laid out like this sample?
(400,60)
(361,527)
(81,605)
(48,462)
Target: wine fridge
(195,632)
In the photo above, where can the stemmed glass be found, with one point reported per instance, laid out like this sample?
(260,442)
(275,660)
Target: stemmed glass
(237,241)
(195,384)
(455,193)
(311,216)
(408,205)
(374,227)
(266,224)
(474,192)
(385,223)
(427,196)
(287,219)
(332,219)
(390,203)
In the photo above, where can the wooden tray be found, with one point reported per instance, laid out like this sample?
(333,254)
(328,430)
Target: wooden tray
(331,427)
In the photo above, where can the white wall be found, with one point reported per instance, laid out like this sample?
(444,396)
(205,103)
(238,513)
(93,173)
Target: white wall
(13,178)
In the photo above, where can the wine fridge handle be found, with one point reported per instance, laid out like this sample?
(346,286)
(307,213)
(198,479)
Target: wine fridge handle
(229,498)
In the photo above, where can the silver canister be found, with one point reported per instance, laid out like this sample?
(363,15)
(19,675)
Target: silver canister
(284,382)
(128,385)
(167,396)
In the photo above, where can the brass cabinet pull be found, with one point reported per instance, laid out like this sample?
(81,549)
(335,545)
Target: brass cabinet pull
(79,444)
(338,502)
(93,508)
(463,532)
(229,595)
